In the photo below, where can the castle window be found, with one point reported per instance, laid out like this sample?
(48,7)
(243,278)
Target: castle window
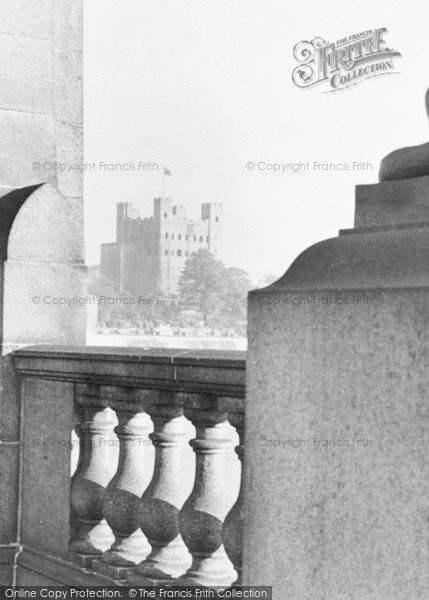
(180,237)
(217,219)
(165,215)
(174,210)
(172,236)
(166,236)
(201,238)
(179,253)
(166,252)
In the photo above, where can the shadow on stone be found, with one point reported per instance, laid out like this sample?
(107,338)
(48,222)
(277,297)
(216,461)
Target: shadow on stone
(9,206)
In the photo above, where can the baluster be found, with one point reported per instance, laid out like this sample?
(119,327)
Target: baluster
(202,516)
(123,495)
(97,465)
(232,533)
(74,440)
(165,495)
(74,458)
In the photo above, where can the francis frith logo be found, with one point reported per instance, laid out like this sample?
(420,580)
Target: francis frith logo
(344,63)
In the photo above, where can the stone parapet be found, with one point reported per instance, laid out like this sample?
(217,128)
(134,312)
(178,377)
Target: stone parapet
(137,509)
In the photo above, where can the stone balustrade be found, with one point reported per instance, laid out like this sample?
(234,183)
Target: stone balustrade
(149,437)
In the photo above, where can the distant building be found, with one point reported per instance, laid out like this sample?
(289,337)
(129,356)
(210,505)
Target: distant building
(150,253)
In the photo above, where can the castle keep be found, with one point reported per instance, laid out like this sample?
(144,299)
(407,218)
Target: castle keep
(150,253)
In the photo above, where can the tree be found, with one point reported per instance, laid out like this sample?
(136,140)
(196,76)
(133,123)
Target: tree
(110,310)
(235,300)
(207,286)
(202,284)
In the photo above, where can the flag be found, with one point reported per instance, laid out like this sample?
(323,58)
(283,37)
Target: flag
(167,171)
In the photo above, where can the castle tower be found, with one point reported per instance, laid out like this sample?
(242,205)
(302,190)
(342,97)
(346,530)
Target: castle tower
(213,213)
(163,213)
(124,214)
(123,209)
(150,254)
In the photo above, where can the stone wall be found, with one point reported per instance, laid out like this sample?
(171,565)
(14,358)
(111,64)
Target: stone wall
(41,235)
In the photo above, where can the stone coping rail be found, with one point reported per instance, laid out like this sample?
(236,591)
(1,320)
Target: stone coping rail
(197,371)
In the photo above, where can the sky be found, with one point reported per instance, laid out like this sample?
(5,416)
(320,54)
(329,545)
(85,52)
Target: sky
(204,87)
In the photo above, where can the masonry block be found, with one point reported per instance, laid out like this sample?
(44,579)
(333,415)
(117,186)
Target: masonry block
(68,77)
(26,74)
(70,153)
(9,473)
(31,18)
(68,21)
(48,407)
(392,203)
(27,148)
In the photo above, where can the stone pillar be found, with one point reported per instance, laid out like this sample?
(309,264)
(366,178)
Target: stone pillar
(121,507)
(202,516)
(163,499)
(337,480)
(41,229)
(232,531)
(98,463)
